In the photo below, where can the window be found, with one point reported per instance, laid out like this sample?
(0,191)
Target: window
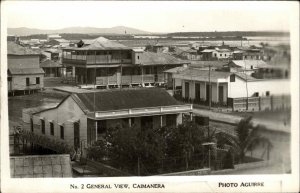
(138,57)
(215,55)
(27,81)
(220,54)
(43,126)
(9,78)
(251,67)
(268,93)
(51,128)
(232,78)
(256,94)
(62,132)
(225,55)
(37,80)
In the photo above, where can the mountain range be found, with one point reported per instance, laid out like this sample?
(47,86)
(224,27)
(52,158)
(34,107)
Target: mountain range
(24,31)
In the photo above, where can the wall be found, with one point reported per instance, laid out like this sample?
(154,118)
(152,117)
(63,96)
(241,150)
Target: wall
(19,82)
(23,61)
(275,87)
(65,115)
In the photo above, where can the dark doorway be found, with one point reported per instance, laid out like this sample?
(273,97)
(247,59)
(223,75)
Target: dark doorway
(207,93)
(221,94)
(147,122)
(197,92)
(187,90)
(76,135)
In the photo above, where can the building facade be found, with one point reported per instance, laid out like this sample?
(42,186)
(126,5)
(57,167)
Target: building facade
(199,85)
(81,119)
(105,63)
(24,72)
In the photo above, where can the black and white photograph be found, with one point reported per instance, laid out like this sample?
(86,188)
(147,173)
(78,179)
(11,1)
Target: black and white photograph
(152,94)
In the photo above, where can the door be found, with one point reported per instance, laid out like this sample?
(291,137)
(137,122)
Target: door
(187,90)
(146,122)
(76,135)
(197,91)
(221,94)
(207,93)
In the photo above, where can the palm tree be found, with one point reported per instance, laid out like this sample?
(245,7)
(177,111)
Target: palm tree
(246,138)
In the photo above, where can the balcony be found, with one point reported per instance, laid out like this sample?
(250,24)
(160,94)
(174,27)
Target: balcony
(142,111)
(94,59)
(128,79)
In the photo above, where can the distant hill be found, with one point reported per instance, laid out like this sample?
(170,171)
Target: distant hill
(231,33)
(23,31)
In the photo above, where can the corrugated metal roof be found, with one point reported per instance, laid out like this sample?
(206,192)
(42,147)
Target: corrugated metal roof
(202,75)
(151,58)
(176,69)
(101,43)
(245,76)
(201,64)
(16,71)
(50,64)
(124,99)
(41,166)
(15,49)
(248,63)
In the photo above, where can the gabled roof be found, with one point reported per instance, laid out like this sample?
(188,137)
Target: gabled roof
(247,64)
(101,43)
(50,64)
(151,58)
(124,99)
(245,76)
(23,71)
(215,76)
(176,69)
(15,49)
(202,75)
(214,64)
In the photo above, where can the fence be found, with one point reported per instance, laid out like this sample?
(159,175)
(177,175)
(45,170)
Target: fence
(271,103)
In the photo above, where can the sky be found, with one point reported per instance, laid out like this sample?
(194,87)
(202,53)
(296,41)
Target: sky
(152,16)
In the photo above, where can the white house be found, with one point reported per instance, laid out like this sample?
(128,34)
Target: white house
(227,85)
(82,118)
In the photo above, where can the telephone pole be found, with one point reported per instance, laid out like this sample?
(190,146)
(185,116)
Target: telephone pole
(209,86)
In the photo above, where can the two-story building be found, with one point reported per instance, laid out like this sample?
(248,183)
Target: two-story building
(82,118)
(106,63)
(23,69)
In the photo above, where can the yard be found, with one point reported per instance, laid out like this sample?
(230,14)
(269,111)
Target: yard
(17,103)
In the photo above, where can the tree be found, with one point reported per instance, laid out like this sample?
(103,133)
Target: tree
(246,138)
(131,148)
(185,142)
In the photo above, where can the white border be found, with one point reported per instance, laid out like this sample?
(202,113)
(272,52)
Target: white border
(273,183)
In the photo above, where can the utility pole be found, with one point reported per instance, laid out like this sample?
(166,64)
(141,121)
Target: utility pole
(246,86)
(209,90)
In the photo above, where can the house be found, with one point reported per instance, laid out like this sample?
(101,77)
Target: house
(226,86)
(216,54)
(82,118)
(172,82)
(52,68)
(24,72)
(247,54)
(62,43)
(247,66)
(186,53)
(107,63)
